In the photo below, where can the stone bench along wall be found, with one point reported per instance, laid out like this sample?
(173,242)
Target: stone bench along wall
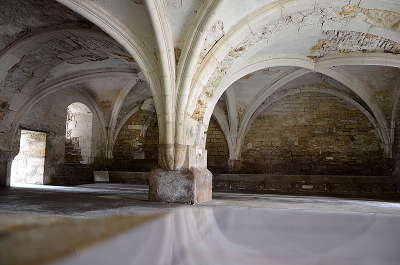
(312,134)
(129,177)
(360,186)
(364,186)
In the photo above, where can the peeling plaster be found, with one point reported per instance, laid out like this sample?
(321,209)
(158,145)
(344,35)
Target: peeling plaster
(350,41)
(379,18)
(335,42)
(68,47)
(214,34)
(18,18)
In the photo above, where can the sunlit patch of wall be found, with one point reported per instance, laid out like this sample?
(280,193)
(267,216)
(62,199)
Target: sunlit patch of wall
(78,140)
(28,165)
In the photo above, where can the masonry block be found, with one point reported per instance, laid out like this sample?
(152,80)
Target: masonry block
(101,176)
(184,186)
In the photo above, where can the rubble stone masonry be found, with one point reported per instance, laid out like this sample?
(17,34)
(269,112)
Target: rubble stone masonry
(312,134)
(136,148)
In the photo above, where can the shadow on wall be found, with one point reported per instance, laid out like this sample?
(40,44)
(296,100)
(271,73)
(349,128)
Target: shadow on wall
(217,149)
(136,148)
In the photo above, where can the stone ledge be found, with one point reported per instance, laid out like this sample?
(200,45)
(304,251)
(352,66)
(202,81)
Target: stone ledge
(365,186)
(129,177)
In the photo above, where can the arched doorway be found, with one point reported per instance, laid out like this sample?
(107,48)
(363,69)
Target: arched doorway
(78,142)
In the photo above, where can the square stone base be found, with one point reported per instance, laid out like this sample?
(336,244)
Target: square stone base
(185,186)
(101,176)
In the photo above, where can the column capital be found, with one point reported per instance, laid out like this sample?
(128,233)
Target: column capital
(178,156)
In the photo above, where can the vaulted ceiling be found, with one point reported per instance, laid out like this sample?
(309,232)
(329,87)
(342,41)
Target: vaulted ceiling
(193,55)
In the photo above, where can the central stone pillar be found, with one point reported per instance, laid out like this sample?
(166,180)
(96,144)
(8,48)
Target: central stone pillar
(184,186)
(190,183)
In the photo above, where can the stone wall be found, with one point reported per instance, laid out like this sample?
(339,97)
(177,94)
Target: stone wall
(217,148)
(312,134)
(308,143)
(136,147)
(78,142)
(352,186)
(127,177)
(383,187)
(49,116)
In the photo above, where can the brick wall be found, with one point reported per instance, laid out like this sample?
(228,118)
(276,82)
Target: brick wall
(136,148)
(312,134)
(217,148)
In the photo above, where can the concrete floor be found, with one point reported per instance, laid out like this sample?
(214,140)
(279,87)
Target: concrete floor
(231,229)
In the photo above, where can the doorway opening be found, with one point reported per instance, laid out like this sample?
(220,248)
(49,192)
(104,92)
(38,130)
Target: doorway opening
(78,140)
(28,166)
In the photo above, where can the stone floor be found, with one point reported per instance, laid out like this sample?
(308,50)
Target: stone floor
(115,224)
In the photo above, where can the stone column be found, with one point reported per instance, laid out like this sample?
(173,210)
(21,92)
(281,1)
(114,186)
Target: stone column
(183,176)
(234,165)
(6,158)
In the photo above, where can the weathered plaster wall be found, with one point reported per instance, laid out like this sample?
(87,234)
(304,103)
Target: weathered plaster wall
(217,148)
(136,148)
(138,94)
(52,57)
(78,134)
(384,83)
(20,17)
(297,28)
(312,133)
(49,115)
